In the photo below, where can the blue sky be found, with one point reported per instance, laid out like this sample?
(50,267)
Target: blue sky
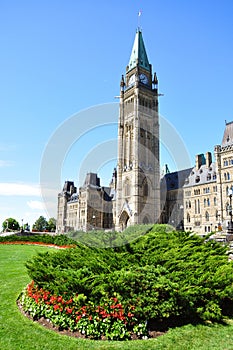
(61,57)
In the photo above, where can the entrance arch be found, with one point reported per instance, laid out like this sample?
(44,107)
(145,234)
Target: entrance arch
(147,220)
(124,218)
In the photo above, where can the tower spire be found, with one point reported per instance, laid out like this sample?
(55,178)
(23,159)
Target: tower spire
(138,54)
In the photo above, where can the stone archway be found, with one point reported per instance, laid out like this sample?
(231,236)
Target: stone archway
(145,220)
(124,218)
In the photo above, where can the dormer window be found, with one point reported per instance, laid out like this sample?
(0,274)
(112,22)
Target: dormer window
(197,179)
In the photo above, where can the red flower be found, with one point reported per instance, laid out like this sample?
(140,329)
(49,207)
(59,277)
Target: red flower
(69,310)
(56,307)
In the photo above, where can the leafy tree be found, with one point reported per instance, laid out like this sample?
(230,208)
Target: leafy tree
(40,224)
(51,225)
(10,224)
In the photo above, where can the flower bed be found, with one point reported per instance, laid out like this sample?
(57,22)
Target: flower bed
(111,320)
(50,245)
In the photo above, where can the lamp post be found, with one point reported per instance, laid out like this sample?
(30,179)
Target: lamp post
(93,222)
(229,210)
(219,223)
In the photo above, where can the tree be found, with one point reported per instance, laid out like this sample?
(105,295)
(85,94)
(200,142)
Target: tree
(10,224)
(40,224)
(51,225)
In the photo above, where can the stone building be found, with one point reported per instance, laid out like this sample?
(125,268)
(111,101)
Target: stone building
(134,194)
(89,208)
(200,196)
(172,197)
(208,189)
(198,199)
(138,174)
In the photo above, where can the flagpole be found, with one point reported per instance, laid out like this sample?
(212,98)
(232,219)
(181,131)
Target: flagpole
(139,15)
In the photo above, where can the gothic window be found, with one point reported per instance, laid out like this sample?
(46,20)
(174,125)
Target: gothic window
(198,206)
(207,216)
(145,190)
(215,201)
(205,202)
(208,202)
(195,205)
(127,188)
(188,218)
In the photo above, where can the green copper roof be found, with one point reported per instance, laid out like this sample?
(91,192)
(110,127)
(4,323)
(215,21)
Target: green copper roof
(138,54)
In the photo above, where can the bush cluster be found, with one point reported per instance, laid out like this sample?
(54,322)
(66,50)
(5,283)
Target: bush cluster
(167,276)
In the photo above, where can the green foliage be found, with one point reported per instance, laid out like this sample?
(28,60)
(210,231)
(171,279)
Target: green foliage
(10,224)
(40,224)
(166,275)
(51,226)
(110,239)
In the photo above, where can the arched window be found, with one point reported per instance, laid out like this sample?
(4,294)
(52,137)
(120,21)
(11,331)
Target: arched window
(205,202)
(215,201)
(127,188)
(145,190)
(208,202)
(207,216)
(188,218)
(198,206)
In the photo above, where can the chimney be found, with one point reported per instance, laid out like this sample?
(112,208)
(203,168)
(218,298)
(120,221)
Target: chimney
(208,157)
(200,160)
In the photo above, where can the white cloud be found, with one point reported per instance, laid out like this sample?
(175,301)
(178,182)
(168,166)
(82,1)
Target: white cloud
(5,163)
(36,205)
(19,189)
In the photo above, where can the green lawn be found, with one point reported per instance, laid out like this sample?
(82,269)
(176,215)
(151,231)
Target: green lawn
(17,332)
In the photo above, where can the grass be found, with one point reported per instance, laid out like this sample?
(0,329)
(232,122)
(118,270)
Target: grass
(17,332)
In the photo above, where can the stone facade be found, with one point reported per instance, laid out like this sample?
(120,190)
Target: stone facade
(138,175)
(88,209)
(198,199)
(208,189)
(172,197)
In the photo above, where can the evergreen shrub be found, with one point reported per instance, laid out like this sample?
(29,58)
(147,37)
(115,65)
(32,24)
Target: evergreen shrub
(164,276)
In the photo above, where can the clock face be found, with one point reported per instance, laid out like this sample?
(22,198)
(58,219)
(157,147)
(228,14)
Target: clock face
(143,78)
(132,79)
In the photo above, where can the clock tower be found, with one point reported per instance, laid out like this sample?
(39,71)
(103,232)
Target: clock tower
(138,173)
